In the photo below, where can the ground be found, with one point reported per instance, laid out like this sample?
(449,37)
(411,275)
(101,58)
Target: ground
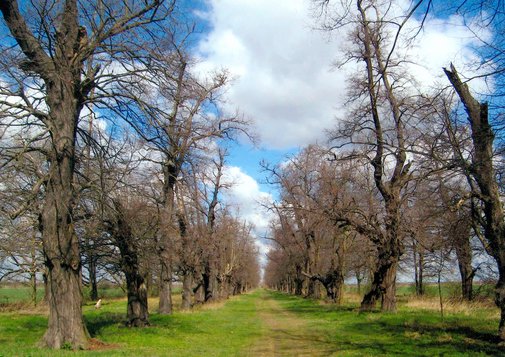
(285,334)
(269,323)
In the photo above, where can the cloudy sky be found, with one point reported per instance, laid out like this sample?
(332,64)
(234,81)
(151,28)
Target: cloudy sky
(285,84)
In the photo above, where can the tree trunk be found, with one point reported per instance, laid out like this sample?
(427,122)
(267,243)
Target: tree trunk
(383,284)
(421,274)
(60,244)
(93,295)
(165,304)
(463,250)
(359,280)
(199,292)
(388,301)
(187,291)
(334,285)
(298,281)
(500,301)
(416,271)
(208,283)
(313,289)
(137,309)
(299,286)
(33,280)
(170,173)
(466,270)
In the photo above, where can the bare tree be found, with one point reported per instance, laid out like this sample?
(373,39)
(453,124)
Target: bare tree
(55,51)
(384,107)
(481,170)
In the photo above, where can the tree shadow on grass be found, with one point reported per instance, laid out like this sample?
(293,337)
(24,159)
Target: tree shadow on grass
(466,339)
(100,321)
(390,338)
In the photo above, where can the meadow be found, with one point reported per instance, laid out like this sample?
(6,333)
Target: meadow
(268,323)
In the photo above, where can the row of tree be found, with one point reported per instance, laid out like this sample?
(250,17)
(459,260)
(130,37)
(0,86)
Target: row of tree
(110,159)
(409,169)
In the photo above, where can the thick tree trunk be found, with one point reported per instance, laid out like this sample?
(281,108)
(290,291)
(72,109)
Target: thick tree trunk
(383,284)
(237,289)
(500,302)
(388,301)
(60,244)
(298,288)
(199,292)
(466,271)
(187,291)
(463,248)
(208,283)
(66,327)
(313,290)
(334,285)
(298,281)
(137,310)
(165,303)
(170,173)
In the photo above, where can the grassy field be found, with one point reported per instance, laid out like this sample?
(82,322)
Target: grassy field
(267,323)
(18,293)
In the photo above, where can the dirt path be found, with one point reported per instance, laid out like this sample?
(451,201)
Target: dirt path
(285,333)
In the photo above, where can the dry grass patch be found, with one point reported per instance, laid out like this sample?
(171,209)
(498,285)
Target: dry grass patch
(454,306)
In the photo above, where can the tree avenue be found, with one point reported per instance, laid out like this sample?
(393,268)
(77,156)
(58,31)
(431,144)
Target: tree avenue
(114,163)
(410,174)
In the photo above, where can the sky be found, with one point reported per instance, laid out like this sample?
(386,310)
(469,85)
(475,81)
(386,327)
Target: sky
(285,84)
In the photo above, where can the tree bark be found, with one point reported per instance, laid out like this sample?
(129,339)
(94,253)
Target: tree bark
(60,244)
(420,288)
(383,283)
(165,303)
(170,178)
(464,254)
(187,291)
(208,283)
(137,310)
(93,295)
(137,314)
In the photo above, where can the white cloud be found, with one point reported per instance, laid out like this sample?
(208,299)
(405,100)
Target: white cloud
(282,67)
(245,196)
(284,82)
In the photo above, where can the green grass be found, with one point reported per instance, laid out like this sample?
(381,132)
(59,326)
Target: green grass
(17,294)
(20,293)
(409,332)
(12,294)
(215,331)
(231,328)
